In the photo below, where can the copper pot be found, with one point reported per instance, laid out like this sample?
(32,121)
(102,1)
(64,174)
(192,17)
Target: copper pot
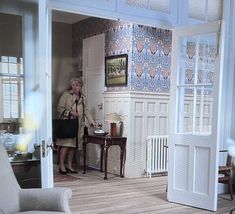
(116,129)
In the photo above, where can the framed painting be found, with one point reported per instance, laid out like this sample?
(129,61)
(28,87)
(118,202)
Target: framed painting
(116,70)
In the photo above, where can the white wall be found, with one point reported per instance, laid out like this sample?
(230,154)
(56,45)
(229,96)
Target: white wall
(10,35)
(62,69)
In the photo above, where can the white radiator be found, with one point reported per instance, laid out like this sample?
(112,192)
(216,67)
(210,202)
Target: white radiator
(157,157)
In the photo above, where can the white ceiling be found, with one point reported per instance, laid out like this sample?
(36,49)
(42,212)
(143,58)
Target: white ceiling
(69,18)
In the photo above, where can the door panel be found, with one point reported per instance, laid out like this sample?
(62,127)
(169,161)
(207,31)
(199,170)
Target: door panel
(93,68)
(193,129)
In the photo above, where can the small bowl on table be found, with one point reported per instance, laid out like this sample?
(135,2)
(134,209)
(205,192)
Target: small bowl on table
(100,132)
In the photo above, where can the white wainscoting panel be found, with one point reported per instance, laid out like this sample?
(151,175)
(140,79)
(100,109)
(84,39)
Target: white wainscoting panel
(143,114)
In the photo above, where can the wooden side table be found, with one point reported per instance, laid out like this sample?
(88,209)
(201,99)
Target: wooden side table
(105,142)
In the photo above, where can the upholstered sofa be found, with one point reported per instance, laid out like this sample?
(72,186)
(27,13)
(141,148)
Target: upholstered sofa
(13,199)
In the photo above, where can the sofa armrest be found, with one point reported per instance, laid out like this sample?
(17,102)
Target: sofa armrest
(51,199)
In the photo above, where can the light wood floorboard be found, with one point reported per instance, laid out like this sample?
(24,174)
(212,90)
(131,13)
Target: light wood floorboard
(94,195)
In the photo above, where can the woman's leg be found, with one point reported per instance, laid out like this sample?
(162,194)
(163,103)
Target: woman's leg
(70,159)
(62,155)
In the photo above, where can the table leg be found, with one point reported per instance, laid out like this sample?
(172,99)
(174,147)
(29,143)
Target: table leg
(122,148)
(105,162)
(101,157)
(84,158)
(231,211)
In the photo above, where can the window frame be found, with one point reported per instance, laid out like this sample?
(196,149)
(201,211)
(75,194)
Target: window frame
(12,77)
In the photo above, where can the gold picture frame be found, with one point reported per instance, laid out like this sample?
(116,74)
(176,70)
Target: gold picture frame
(116,70)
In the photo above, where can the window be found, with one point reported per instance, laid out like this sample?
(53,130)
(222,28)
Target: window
(11,87)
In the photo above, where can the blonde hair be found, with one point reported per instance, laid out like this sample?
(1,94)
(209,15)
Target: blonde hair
(78,80)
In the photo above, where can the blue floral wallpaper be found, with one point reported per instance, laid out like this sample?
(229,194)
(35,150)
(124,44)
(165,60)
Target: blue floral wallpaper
(148,49)
(151,49)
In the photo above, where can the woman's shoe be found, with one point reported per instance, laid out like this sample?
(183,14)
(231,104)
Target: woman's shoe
(63,172)
(71,171)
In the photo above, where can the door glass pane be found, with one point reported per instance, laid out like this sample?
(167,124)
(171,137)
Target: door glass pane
(4,68)
(185,109)
(6,106)
(12,88)
(206,63)
(11,79)
(195,83)
(17,87)
(21,68)
(204,109)
(12,68)
(187,62)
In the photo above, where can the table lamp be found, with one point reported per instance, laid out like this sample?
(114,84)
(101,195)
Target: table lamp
(113,117)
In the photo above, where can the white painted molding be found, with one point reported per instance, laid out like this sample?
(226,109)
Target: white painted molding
(227,127)
(110,10)
(136,94)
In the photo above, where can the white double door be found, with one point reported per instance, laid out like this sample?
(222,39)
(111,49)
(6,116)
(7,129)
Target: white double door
(194,101)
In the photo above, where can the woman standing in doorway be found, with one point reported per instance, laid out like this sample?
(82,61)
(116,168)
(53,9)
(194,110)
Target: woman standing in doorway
(72,104)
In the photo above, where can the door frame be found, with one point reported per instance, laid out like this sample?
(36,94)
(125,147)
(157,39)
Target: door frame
(45,89)
(227,62)
(228,10)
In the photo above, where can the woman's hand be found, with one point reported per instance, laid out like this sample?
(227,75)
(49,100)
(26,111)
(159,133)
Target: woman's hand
(73,114)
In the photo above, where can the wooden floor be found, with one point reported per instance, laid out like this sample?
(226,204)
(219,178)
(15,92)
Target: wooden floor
(92,194)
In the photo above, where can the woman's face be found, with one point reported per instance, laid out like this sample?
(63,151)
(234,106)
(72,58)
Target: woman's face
(76,87)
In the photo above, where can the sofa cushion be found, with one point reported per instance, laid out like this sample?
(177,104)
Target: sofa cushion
(9,187)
